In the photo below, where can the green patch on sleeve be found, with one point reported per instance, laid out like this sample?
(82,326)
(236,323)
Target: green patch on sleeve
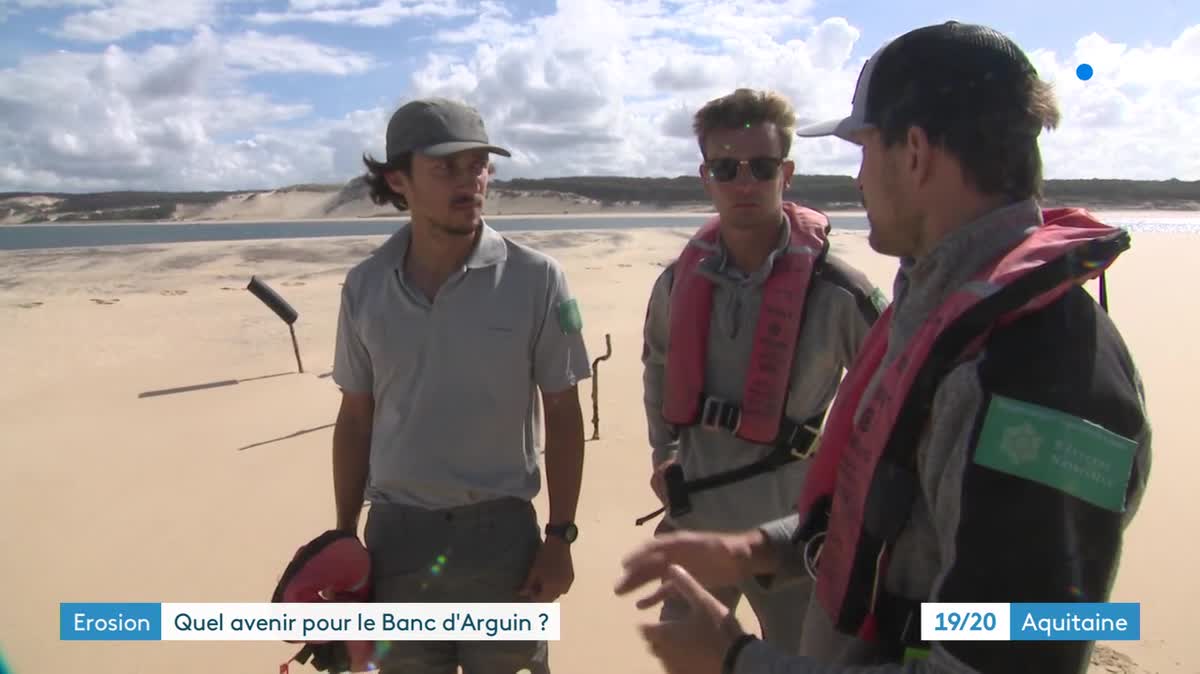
(569,318)
(1058,450)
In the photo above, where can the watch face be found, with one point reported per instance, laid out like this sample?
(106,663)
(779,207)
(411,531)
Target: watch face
(567,532)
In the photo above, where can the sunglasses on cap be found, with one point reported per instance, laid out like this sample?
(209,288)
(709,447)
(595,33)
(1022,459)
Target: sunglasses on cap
(726,169)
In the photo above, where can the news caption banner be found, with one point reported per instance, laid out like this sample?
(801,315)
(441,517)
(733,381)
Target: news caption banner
(1072,621)
(308,622)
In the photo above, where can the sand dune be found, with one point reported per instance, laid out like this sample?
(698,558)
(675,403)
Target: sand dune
(349,202)
(159,444)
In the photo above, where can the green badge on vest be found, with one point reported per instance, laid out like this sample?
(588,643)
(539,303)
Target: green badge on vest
(569,318)
(1058,450)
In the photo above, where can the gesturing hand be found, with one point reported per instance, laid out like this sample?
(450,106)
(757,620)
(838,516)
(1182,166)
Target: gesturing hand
(715,559)
(696,644)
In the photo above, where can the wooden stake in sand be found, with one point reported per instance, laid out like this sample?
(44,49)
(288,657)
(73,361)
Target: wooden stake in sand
(281,308)
(596,386)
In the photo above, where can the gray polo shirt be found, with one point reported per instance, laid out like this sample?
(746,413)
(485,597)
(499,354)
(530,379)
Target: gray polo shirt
(455,380)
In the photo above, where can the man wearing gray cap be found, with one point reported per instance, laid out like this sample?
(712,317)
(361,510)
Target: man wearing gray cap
(445,336)
(991,443)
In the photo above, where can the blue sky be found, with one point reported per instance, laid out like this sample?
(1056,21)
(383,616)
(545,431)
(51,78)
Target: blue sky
(239,94)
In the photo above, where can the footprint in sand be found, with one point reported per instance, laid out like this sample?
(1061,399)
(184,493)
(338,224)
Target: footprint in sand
(30,305)
(112,301)
(1112,661)
(174,292)
(292,283)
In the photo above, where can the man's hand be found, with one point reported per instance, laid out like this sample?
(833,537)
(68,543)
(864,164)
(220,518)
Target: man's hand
(658,482)
(552,572)
(696,644)
(714,559)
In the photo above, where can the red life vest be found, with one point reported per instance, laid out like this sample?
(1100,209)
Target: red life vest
(863,482)
(333,567)
(775,336)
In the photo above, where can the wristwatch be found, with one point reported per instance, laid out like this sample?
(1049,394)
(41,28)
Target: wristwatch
(566,531)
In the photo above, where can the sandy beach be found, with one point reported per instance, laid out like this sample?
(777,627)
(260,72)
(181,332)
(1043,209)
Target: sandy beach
(160,445)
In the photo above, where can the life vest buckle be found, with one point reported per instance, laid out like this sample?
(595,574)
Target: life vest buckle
(719,414)
(814,441)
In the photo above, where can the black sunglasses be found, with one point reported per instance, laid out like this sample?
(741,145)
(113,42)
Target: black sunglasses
(726,169)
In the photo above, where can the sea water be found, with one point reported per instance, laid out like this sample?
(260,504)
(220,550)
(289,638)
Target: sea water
(59,235)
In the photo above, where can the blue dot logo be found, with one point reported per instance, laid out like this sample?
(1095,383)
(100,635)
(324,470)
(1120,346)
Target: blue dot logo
(1084,71)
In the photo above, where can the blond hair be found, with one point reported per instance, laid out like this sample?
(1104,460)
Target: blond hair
(747,107)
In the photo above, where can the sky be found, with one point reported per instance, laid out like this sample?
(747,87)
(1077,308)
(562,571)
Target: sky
(259,94)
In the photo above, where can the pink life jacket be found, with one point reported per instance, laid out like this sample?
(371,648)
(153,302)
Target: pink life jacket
(333,567)
(869,447)
(775,336)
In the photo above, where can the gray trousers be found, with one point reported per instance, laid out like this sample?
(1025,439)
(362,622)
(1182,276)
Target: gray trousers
(780,612)
(479,553)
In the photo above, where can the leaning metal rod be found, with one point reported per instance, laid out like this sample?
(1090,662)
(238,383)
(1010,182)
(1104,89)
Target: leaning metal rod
(296,347)
(596,386)
(281,308)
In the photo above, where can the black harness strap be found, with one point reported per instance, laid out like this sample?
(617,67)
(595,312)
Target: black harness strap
(794,441)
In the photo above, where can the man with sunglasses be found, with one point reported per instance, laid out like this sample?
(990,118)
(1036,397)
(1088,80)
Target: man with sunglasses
(746,337)
(991,443)
(446,335)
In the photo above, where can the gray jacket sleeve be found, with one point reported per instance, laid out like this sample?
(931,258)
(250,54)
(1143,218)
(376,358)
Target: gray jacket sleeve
(664,437)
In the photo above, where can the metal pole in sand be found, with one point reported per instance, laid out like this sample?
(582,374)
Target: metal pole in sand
(282,309)
(296,347)
(596,386)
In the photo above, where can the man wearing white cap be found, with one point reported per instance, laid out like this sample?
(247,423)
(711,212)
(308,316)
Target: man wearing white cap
(990,444)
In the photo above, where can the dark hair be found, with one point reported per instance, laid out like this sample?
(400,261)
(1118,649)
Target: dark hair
(993,131)
(745,107)
(382,193)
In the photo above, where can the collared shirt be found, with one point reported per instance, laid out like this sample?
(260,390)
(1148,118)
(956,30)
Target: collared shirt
(455,379)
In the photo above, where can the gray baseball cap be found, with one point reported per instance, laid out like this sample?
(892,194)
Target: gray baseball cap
(845,127)
(946,69)
(437,127)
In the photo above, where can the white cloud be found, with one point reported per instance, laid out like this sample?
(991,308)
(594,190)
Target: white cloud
(616,98)
(285,53)
(309,5)
(1132,118)
(383,13)
(56,4)
(121,18)
(493,24)
(177,117)
(15,7)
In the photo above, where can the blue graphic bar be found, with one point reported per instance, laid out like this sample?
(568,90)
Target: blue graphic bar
(1075,622)
(110,622)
